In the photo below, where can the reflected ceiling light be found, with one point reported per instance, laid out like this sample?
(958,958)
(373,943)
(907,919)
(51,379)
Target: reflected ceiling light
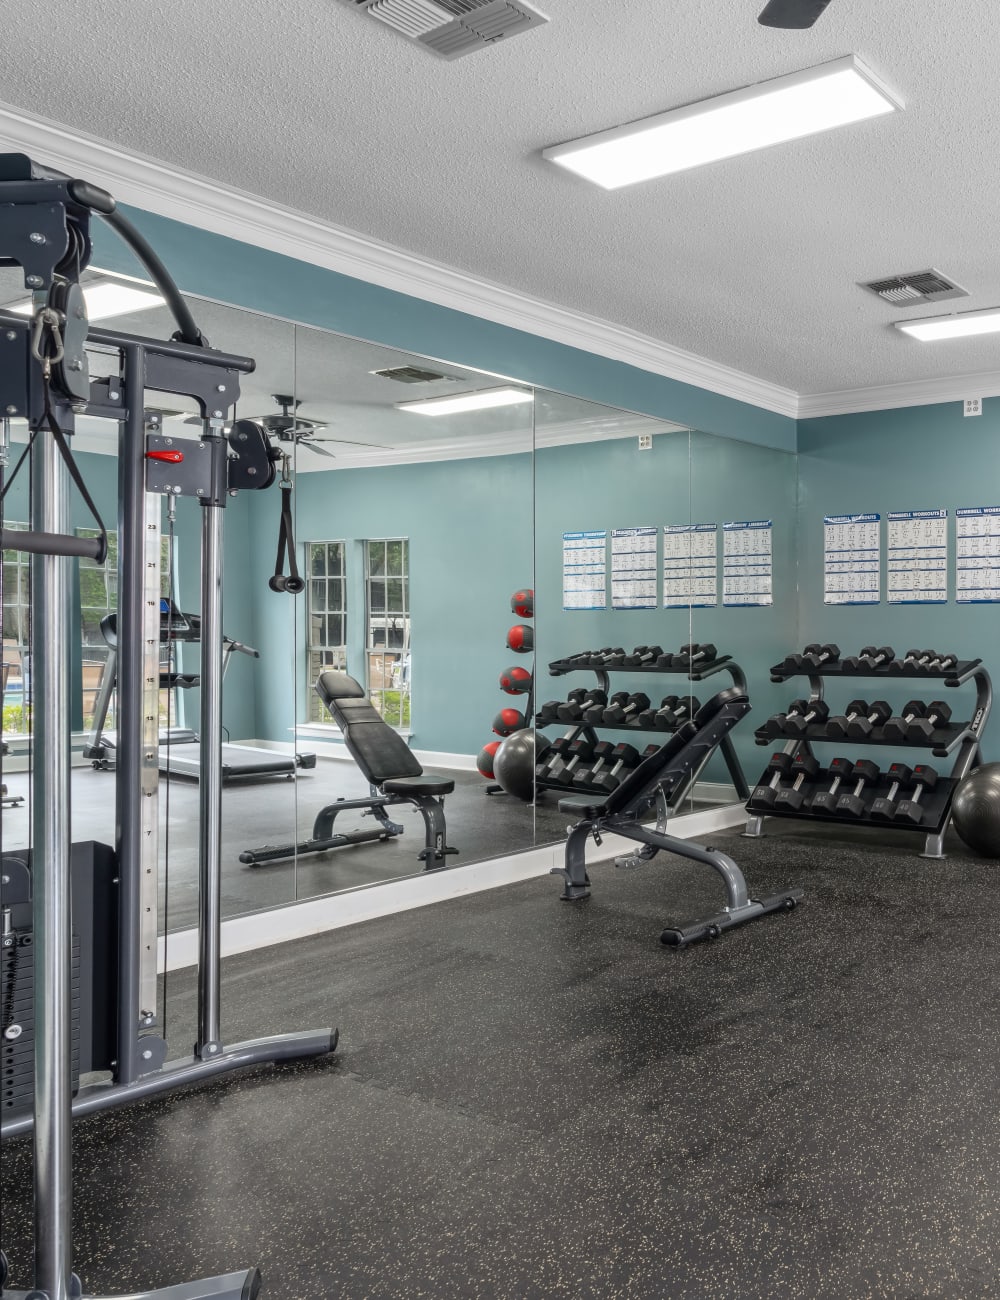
(108,298)
(480,401)
(963,325)
(787,108)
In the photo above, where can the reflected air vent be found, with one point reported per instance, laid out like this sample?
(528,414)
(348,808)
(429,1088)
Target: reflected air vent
(451,28)
(915,288)
(414,375)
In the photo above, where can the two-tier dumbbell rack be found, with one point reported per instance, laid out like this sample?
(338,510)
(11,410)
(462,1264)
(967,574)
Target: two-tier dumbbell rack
(588,731)
(961,738)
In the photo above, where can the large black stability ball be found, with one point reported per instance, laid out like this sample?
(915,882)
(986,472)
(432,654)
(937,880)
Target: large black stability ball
(975,812)
(514,763)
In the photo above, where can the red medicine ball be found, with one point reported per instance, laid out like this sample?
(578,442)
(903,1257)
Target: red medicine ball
(508,721)
(485,760)
(515,681)
(521,638)
(522,603)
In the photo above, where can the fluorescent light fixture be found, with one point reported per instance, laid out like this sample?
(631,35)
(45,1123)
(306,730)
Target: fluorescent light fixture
(479,401)
(108,298)
(960,326)
(787,108)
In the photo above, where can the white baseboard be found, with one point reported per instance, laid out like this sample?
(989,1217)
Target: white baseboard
(331,912)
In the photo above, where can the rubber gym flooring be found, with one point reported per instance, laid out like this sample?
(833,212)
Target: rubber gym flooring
(535,1099)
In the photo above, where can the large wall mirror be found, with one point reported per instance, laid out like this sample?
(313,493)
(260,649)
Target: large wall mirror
(422,495)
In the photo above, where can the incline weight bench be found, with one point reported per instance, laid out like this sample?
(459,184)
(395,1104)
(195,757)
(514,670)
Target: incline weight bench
(661,783)
(390,768)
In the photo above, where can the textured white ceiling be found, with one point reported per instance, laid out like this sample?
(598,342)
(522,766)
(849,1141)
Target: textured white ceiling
(752,262)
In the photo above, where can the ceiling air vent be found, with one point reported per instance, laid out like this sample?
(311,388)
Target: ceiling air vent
(414,375)
(451,28)
(914,288)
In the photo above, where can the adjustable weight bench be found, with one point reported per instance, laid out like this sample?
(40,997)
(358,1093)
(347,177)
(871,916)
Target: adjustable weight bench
(392,772)
(661,782)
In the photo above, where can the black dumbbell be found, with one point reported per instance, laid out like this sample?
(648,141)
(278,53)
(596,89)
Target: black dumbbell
(836,727)
(938,714)
(607,658)
(683,711)
(816,713)
(839,771)
(584,657)
(805,769)
(779,766)
(573,709)
(575,753)
(599,759)
(775,725)
(694,656)
(870,658)
(883,808)
(910,810)
(647,718)
(593,714)
(553,755)
(643,655)
(928,661)
(914,661)
(879,711)
(664,717)
(573,699)
(816,656)
(547,714)
(941,664)
(865,773)
(896,728)
(619,715)
(625,758)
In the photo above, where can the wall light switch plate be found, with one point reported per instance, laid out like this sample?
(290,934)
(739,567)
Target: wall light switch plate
(973,406)
(646,440)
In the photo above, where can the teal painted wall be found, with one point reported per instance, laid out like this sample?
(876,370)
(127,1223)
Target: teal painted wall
(696,479)
(922,457)
(468,524)
(245,276)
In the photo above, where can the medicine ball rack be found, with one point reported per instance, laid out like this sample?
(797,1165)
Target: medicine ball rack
(588,731)
(943,741)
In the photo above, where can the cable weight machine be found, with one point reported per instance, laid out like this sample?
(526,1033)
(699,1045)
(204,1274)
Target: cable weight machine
(44,379)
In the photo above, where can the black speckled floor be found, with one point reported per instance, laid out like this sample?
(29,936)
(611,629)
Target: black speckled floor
(533,1099)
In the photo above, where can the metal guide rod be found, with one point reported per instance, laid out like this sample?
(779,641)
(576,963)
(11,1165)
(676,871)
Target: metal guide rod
(130,792)
(50,659)
(210,784)
(149,776)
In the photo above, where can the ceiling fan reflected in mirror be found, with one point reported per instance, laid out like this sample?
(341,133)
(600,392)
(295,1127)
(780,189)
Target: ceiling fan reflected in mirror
(794,15)
(288,427)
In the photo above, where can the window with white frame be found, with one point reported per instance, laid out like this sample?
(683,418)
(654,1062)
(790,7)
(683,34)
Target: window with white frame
(327,625)
(16,603)
(387,633)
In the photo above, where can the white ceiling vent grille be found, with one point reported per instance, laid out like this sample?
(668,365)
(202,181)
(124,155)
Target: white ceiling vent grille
(414,375)
(914,288)
(451,28)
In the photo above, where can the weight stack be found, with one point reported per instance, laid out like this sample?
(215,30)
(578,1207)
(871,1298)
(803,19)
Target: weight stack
(17,1021)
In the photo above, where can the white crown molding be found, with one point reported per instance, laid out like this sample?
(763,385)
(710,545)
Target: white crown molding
(885,397)
(196,200)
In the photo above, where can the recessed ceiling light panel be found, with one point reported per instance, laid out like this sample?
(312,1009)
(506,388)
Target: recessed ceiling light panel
(964,324)
(787,108)
(480,401)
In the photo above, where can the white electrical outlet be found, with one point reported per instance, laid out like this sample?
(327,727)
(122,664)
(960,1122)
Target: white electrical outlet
(973,406)
(646,440)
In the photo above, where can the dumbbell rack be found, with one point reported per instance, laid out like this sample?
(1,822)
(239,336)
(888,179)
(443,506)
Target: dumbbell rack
(562,667)
(963,737)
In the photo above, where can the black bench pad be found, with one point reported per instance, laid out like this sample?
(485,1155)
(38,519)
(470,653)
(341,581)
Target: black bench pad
(409,785)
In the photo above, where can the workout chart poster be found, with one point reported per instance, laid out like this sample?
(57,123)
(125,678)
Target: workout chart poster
(633,568)
(977,555)
(917,557)
(851,557)
(585,570)
(690,566)
(746,562)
